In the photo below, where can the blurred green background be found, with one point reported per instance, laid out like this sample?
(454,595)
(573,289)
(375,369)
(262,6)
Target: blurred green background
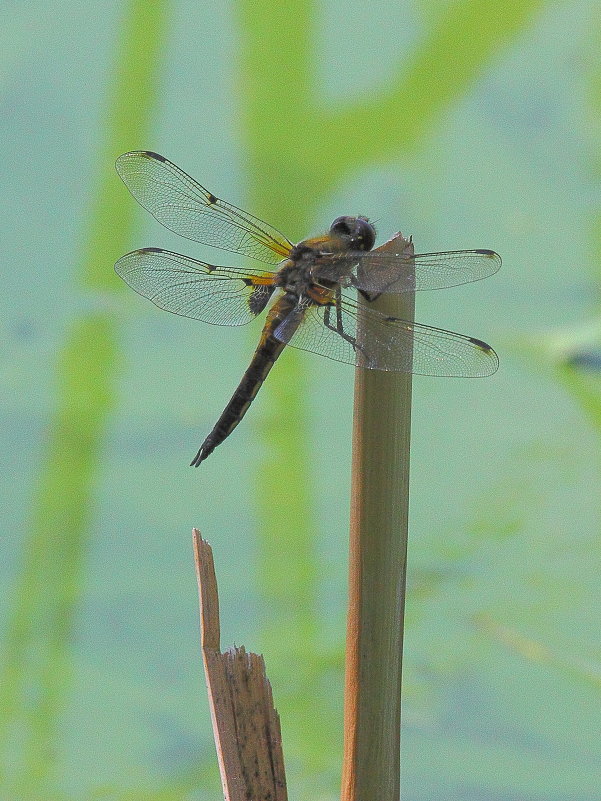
(463,122)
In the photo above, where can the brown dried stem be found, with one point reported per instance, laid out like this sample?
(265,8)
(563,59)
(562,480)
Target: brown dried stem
(377,564)
(246,725)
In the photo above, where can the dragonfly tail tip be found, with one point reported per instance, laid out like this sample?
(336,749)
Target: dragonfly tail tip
(200,456)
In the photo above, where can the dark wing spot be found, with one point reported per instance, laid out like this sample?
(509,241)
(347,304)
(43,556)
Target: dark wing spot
(485,252)
(482,345)
(259,298)
(211,198)
(150,250)
(151,154)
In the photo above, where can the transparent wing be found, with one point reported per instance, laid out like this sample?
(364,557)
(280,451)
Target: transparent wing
(191,288)
(384,343)
(181,204)
(376,272)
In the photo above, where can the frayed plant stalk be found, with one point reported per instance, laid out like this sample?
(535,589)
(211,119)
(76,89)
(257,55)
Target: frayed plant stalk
(246,725)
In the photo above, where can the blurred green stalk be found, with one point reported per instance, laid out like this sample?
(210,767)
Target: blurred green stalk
(35,675)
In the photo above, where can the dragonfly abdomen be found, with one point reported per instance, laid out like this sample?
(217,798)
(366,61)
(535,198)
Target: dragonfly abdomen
(263,360)
(244,395)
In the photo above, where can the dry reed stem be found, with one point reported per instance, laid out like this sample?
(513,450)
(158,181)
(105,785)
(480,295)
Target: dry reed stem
(377,566)
(246,725)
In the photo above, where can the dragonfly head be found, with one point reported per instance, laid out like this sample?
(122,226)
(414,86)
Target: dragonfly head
(358,232)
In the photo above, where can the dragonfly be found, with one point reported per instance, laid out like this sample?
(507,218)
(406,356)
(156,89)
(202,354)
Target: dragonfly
(318,290)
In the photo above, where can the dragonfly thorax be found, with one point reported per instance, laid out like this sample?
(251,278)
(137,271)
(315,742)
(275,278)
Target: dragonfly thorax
(295,275)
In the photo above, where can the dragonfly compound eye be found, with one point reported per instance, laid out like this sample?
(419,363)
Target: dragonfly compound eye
(358,230)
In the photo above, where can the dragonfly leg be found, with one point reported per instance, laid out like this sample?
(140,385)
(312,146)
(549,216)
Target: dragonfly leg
(339,327)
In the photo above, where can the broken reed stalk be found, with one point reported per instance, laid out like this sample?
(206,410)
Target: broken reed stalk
(377,566)
(246,725)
